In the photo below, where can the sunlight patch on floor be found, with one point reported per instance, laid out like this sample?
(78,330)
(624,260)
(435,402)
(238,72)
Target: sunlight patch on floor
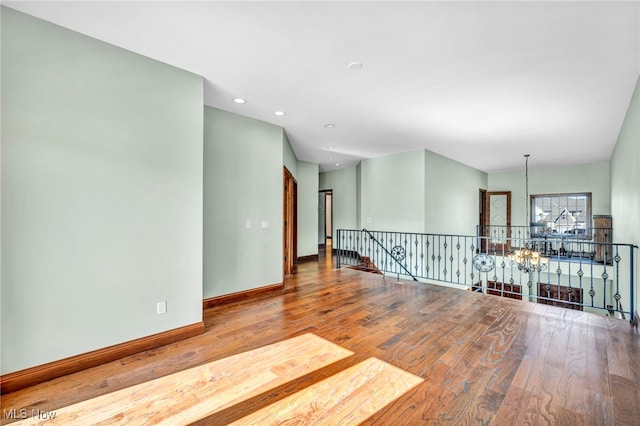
(346,398)
(198,392)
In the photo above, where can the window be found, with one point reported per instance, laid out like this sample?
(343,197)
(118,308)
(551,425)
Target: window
(566,214)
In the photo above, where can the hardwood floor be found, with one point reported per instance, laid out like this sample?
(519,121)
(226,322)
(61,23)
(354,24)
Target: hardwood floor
(481,359)
(197,392)
(346,398)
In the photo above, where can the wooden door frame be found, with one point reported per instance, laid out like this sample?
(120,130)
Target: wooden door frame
(486,216)
(483,211)
(290,223)
(324,192)
(482,207)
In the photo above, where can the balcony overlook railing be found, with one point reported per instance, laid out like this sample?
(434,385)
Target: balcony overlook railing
(563,243)
(585,275)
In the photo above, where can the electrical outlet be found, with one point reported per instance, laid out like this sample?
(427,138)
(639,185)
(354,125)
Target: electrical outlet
(265,224)
(161,307)
(247,224)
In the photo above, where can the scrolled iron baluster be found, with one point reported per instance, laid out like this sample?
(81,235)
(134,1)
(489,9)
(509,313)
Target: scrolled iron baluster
(458,259)
(569,288)
(421,253)
(617,295)
(439,256)
(605,277)
(415,263)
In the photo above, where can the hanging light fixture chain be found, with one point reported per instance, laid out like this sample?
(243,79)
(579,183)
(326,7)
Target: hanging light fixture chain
(526,258)
(526,183)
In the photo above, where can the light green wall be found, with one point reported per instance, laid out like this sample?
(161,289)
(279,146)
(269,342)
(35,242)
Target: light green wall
(243,161)
(592,178)
(307,208)
(416,191)
(306,176)
(343,184)
(392,192)
(625,175)
(451,195)
(625,182)
(101,194)
(289,157)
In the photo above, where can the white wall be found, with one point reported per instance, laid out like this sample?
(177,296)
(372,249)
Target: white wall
(594,178)
(307,208)
(101,194)
(243,181)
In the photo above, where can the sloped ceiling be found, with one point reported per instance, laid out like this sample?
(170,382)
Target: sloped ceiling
(479,82)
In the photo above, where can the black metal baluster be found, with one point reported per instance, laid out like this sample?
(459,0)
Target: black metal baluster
(427,267)
(367,244)
(604,275)
(377,252)
(406,265)
(580,274)
(592,292)
(338,248)
(569,288)
(617,295)
(458,260)
(559,273)
(446,245)
(631,286)
(503,265)
(421,254)
(439,256)
(415,250)
(530,284)
(464,261)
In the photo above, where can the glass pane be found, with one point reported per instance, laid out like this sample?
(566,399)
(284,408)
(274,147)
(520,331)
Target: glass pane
(562,214)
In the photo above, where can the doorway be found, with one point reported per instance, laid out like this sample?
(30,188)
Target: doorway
(495,220)
(325,219)
(290,223)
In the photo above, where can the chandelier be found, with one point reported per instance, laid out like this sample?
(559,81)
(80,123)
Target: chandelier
(527,259)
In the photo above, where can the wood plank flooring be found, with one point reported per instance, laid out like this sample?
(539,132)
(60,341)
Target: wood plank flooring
(481,359)
(346,398)
(190,395)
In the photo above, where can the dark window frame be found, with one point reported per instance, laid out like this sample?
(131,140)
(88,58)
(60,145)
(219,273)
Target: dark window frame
(564,229)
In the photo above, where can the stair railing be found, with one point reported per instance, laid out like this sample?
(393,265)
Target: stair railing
(580,274)
(397,256)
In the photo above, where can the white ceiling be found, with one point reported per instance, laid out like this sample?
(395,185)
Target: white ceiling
(480,82)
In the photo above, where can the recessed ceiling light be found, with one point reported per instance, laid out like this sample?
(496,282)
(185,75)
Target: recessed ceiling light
(337,164)
(329,125)
(330,146)
(239,100)
(355,66)
(280,113)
